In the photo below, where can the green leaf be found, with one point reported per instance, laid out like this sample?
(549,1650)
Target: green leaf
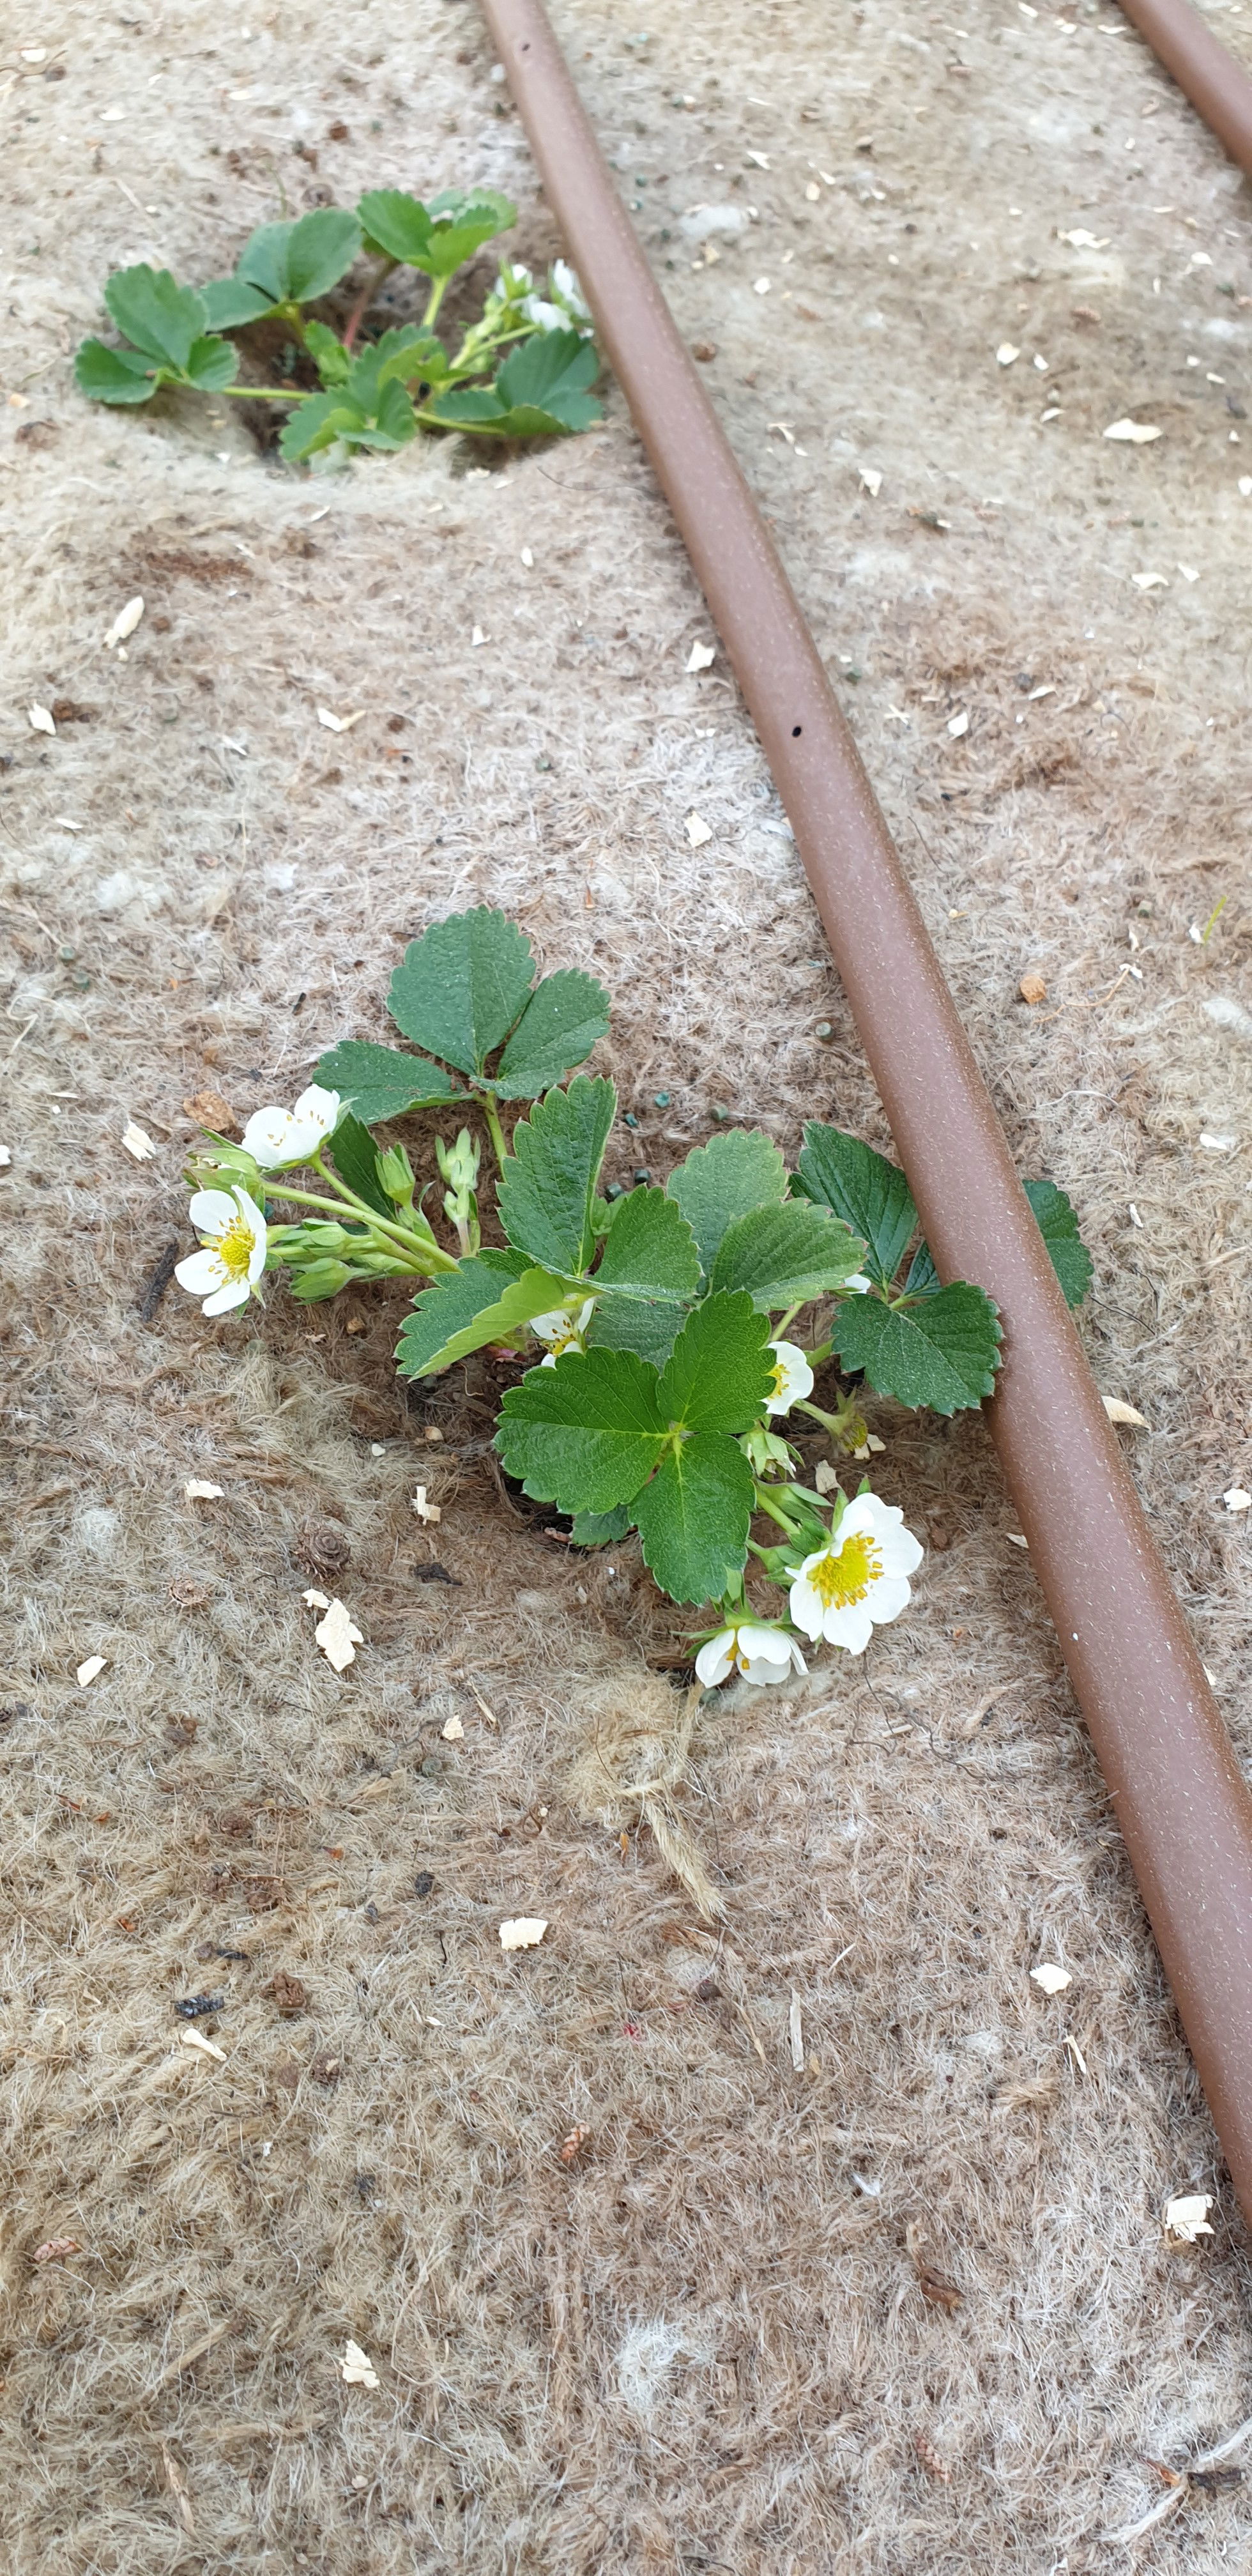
(943,1352)
(863,1188)
(628,1324)
(229,303)
(436,238)
(380,1082)
(561,1023)
(547,376)
(161,317)
(468,406)
(392,425)
(462,985)
(650,1250)
(294,263)
(585,1434)
(547,1188)
(1058,1224)
(355,1158)
(332,361)
(721,1369)
(315,425)
(466,1308)
(922,1278)
(599,1529)
(114,375)
(211,363)
(399,357)
(694,1518)
(785,1254)
(724,1179)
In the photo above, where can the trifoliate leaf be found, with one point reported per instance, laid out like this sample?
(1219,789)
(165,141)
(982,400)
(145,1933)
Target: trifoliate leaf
(1058,1224)
(721,1369)
(294,263)
(548,1185)
(626,1324)
(650,1250)
(332,361)
(694,1518)
(724,1179)
(462,985)
(161,317)
(943,1352)
(355,1158)
(380,1082)
(211,363)
(599,1529)
(229,303)
(561,1023)
(439,237)
(467,1308)
(585,1434)
(784,1254)
(114,375)
(315,425)
(863,1188)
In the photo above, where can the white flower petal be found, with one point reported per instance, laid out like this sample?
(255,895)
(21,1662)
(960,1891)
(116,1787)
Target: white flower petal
(888,1598)
(807,1608)
(267,1137)
(319,1107)
(714,1659)
(211,1211)
(851,1627)
(200,1273)
(235,1293)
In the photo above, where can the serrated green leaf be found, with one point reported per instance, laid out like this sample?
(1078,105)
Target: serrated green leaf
(721,1369)
(381,1082)
(547,1188)
(922,1278)
(599,1529)
(549,375)
(585,1434)
(627,1324)
(461,986)
(467,1308)
(693,1518)
(400,357)
(785,1254)
(650,1250)
(355,1157)
(943,1352)
(332,361)
(391,425)
(1058,1224)
(315,425)
(725,1179)
(114,375)
(467,406)
(436,238)
(294,263)
(229,303)
(863,1188)
(161,317)
(565,1016)
(211,363)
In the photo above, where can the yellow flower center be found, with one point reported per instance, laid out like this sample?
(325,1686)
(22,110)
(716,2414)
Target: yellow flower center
(234,1248)
(840,1580)
(779,1375)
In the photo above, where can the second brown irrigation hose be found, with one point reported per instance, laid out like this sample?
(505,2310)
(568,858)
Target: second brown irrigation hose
(1182,1804)
(1218,87)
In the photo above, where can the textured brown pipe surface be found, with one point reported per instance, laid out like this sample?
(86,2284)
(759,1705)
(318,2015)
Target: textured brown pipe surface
(1218,87)
(1182,1804)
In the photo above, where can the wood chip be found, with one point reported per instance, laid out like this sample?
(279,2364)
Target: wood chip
(1051,1979)
(41,720)
(795,2032)
(698,831)
(87,1672)
(55,2249)
(1032,987)
(198,1490)
(934,2466)
(316,1600)
(337,1637)
(1119,1412)
(338,724)
(357,2368)
(206,2047)
(425,1511)
(825,1479)
(871,478)
(127,618)
(1006,354)
(453,1732)
(1187,2219)
(523,1931)
(957,725)
(1133,433)
(700,657)
(212,1109)
(1237,1499)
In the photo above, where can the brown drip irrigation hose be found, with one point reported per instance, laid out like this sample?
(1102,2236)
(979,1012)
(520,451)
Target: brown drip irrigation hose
(1181,1801)
(1218,87)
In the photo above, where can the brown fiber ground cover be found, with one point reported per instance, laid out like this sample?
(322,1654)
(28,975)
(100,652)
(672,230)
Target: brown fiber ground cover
(714,2339)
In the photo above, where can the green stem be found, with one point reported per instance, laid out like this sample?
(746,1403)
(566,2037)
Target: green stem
(487,1103)
(264,393)
(437,293)
(429,1256)
(835,1423)
(767,1502)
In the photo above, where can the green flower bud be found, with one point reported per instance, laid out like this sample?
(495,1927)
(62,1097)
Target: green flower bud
(318,1280)
(395,1172)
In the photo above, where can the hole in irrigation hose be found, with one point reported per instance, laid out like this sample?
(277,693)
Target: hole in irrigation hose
(796,729)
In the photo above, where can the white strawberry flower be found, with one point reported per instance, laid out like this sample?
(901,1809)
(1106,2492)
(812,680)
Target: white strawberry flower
(859,1580)
(858,1283)
(231,1258)
(279,1139)
(563,1330)
(792,1377)
(564,288)
(747,1646)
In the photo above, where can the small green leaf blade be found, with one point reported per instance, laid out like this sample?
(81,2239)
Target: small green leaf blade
(565,1017)
(724,1179)
(316,424)
(943,1352)
(294,263)
(161,317)
(461,986)
(211,363)
(863,1188)
(649,1327)
(355,1157)
(694,1517)
(229,303)
(544,382)
(114,375)
(585,1434)
(332,361)
(1057,1220)
(381,1082)
(472,406)
(547,1188)
(650,1250)
(922,1278)
(437,238)
(599,1529)
(397,223)
(468,1307)
(721,1369)
(783,1255)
